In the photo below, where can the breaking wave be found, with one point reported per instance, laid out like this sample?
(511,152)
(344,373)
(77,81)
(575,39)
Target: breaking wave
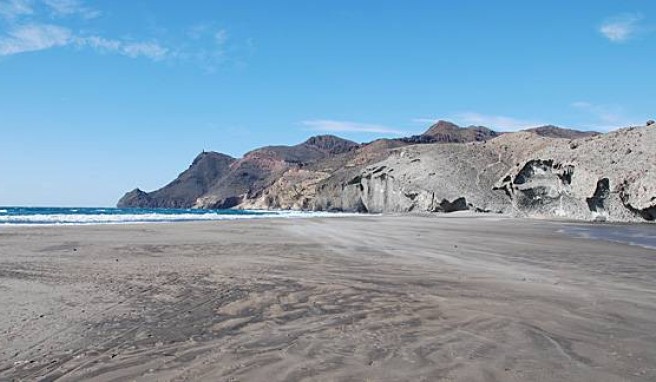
(77,216)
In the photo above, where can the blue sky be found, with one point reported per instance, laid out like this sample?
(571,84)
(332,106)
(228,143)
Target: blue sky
(99,97)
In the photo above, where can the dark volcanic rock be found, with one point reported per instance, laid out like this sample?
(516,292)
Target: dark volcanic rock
(313,149)
(260,168)
(135,198)
(219,181)
(551,131)
(447,132)
(186,188)
(596,203)
(331,144)
(418,140)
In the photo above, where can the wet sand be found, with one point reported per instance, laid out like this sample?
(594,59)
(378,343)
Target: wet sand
(451,298)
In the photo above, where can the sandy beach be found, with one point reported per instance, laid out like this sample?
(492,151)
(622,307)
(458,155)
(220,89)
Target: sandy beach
(371,298)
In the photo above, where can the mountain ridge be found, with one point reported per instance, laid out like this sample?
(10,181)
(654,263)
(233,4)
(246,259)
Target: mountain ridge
(461,168)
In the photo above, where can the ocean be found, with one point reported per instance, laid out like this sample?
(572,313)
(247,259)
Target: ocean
(86,215)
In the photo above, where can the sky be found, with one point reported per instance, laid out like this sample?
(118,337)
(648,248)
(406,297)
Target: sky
(100,97)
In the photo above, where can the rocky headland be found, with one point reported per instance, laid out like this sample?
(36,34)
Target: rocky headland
(540,172)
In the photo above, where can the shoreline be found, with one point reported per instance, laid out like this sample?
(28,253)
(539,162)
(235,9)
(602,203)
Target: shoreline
(37,216)
(384,298)
(81,216)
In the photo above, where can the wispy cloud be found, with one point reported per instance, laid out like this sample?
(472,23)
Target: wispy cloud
(621,28)
(604,117)
(498,122)
(37,25)
(34,37)
(221,36)
(197,31)
(207,47)
(12,9)
(332,126)
(425,121)
(71,7)
(151,50)
(25,32)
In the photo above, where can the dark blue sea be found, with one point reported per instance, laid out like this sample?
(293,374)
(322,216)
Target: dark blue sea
(85,215)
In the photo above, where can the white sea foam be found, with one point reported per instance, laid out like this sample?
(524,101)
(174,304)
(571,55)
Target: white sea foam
(3,211)
(78,219)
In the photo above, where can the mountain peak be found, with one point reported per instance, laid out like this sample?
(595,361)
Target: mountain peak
(331,144)
(551,131)
(445,131)
(441,126)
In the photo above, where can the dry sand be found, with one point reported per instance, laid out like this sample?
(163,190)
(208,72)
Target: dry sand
(361,298)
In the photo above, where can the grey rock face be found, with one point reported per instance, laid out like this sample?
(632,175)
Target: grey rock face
(609,177)
(542,187)
(426,178)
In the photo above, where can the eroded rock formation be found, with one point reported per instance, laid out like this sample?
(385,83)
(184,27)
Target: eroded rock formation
(608,177)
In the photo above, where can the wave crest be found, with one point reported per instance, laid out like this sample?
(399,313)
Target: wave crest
(152,217)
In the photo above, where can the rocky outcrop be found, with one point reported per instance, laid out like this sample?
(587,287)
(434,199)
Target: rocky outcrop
(194,182)
(638,194)
(318,185)
(608,177)
(542,187)
(258,179)
(218,181)
(295,189)
(426,178)
(135,199)
(542,172)
(598,202)
(598,177)
(447,132)
(551,131)
(331,144)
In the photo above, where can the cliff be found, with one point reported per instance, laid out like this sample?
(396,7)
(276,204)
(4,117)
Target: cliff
(216,181)
(609,177)
(541,172)
(187,187)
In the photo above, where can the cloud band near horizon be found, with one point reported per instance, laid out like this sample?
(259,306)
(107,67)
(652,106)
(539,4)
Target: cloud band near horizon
(333,126)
